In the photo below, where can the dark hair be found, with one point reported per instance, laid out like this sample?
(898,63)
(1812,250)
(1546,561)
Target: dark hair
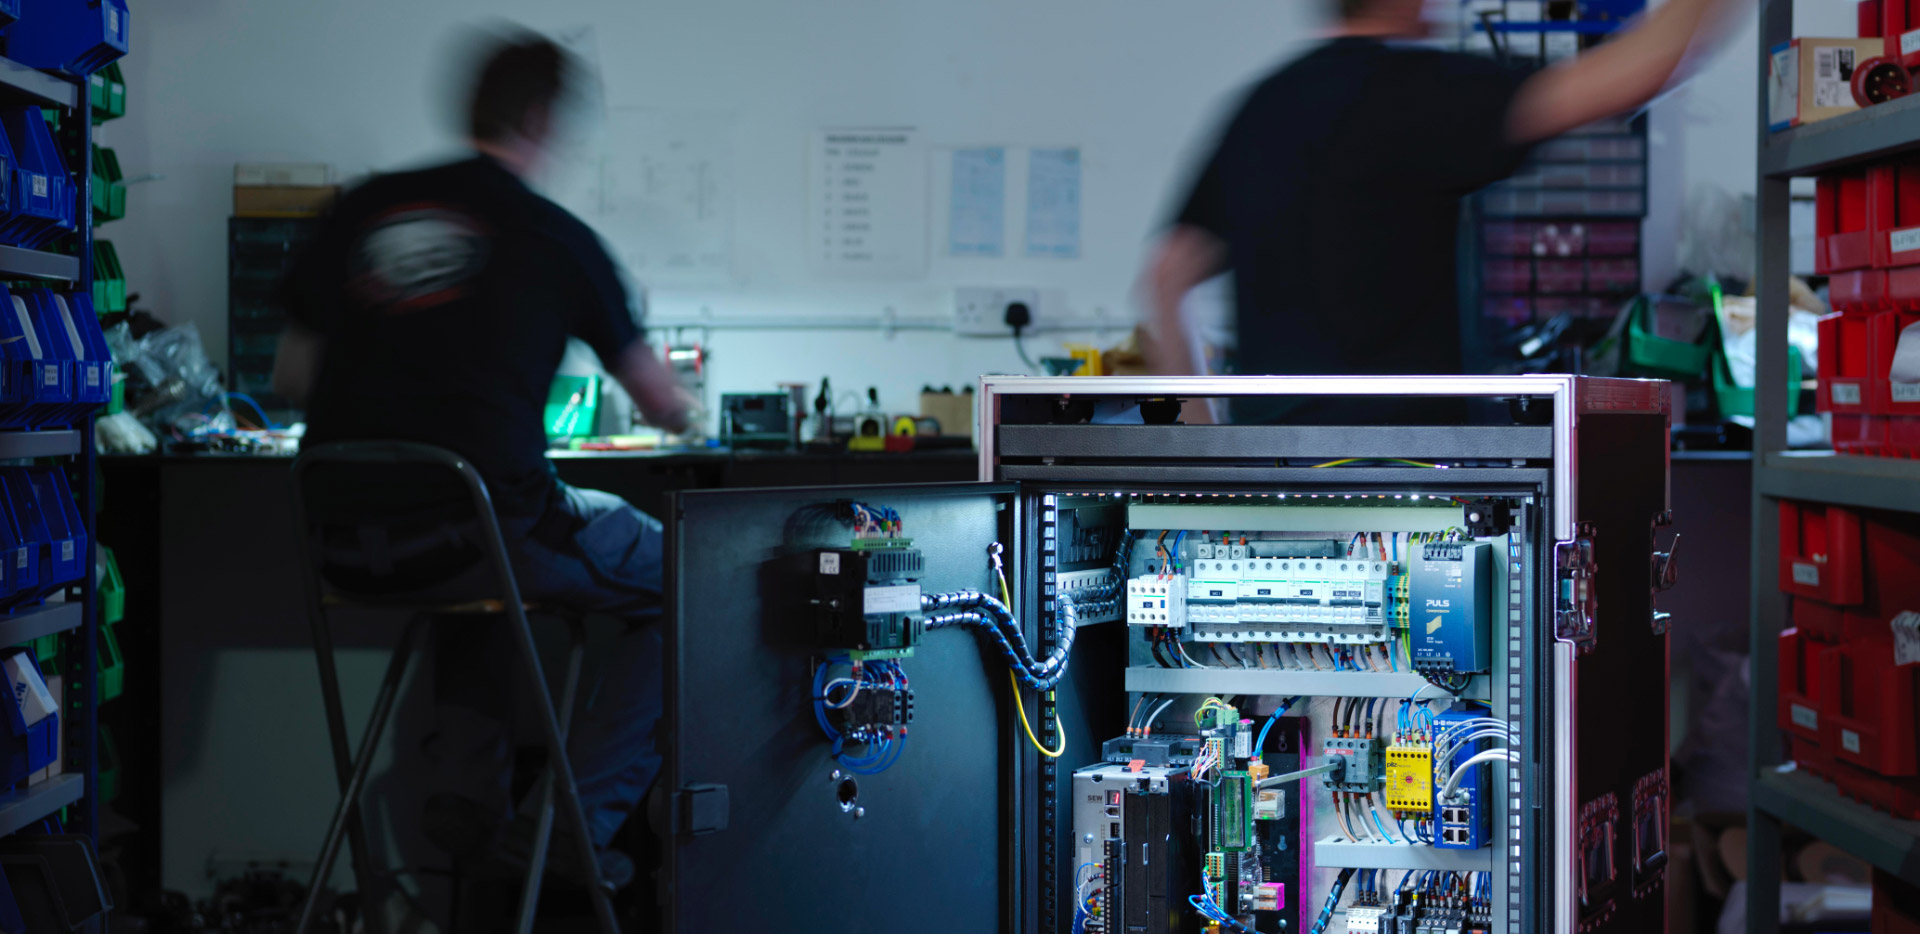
(1350,9)
(522,77)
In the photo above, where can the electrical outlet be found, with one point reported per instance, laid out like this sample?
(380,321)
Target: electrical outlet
(982,312)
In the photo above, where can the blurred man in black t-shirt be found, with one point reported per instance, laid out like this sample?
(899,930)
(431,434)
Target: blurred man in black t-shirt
(435,307)
(1333,196)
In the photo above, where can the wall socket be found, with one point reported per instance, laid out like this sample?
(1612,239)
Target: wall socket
(982,312)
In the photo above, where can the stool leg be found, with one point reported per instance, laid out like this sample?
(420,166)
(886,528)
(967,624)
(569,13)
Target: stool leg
(363,763)
(560,773)
(543,830)
(337,731)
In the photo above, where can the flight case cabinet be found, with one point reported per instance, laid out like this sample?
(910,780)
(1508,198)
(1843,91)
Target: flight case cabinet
(969,828)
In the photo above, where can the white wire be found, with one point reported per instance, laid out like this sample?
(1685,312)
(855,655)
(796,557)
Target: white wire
(1182,648)
(1147,727)
(857,685)
(1491,755)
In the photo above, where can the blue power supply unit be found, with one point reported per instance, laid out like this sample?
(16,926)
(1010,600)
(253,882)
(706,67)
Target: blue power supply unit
(1460,822)
(1449,606)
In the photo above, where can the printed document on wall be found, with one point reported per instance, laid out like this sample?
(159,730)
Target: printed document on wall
(867,204)
(977,205)
(1053,203)
(657,186)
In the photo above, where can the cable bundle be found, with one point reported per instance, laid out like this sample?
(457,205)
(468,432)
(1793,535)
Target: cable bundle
(983,612)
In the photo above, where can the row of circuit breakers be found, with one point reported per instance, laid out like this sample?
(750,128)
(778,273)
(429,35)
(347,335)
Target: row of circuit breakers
(1190,831)
(1236,593)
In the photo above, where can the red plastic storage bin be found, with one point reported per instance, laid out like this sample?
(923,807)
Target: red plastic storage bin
(1507,275)
(1509,239)
(1898,18)
(1846,364)
(1818,621)
(1900,436)
(1896,905)
(1799,694)
(1882,331)
(1555,241)
(1897,796)
(1820,553)
(1811,756)
(1613,239)
(1860,434)
(1613,275)
(1894,213)
(1867,709)
(1862,291)
(1869,14)
(1890,573)
(1561,275)
(1843,237)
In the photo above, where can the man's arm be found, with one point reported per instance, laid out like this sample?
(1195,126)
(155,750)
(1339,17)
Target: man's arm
(1187,257)
(1618,76)
(296,364)
(662,400)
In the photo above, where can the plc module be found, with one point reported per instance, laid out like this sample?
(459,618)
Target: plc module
(1146,677)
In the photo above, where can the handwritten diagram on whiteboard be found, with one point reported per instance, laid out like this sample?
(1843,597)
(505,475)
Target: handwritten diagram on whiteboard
(658,188)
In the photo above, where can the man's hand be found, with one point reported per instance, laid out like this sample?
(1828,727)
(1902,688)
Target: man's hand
(655,390)
(1622,74)
(1187,257)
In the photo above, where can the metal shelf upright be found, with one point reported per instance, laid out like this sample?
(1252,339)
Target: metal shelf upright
(1780,794)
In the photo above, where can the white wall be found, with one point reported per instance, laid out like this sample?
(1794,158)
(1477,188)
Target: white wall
(1704,133)
(356,83)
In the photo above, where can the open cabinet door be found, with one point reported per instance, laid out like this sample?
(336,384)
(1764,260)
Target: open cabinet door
(759,834)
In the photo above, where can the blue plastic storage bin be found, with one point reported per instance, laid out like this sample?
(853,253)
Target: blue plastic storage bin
(78,36)
(43,194)
(68,557)
(93,359)
(19,559)
(25,749)
(9,14)
(36,387)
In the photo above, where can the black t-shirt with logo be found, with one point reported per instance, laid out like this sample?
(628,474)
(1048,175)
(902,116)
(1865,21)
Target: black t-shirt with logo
(446,297)
(1336,189)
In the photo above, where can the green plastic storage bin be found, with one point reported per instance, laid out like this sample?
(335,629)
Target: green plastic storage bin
(1649,354)
(109,776)
(46,649)
(1738,400)
(117,403)
(109,282)
(113,666)
(107,94)
(109,187)
(113,589)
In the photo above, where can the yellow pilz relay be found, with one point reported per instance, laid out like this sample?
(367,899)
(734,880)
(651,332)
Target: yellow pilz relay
(1410,779)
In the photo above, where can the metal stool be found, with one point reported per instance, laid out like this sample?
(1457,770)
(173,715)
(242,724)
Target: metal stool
(467,517)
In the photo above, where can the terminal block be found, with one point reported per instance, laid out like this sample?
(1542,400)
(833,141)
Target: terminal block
(1359,764)
(1410,779)
(1364,920)
(1153,600)
(881,710)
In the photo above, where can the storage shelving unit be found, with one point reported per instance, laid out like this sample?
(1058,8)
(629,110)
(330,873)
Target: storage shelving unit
(77,788)
(1783,795)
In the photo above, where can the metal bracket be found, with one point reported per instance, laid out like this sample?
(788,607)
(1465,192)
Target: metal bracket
(1576,598)
(699,810)
(1666,572)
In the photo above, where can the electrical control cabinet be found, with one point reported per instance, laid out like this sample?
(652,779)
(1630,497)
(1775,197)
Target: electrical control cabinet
(1396,670)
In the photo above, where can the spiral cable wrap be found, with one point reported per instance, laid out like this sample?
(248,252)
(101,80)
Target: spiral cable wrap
(985,613)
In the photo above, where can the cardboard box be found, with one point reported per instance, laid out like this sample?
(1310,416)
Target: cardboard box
(1809,80)
(286,201)
(953,410)
(282,174)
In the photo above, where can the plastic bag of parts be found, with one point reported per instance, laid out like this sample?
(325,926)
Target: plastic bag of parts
(172,388)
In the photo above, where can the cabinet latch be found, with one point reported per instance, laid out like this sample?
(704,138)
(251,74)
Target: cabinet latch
(1576,599)
(1666,572)
(699,810)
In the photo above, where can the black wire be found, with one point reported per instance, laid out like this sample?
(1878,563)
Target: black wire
(1021,346)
